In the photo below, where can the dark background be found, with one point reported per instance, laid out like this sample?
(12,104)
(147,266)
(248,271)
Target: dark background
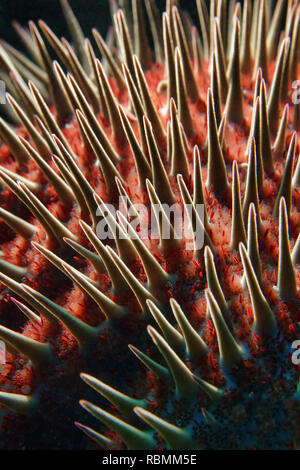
(91,13)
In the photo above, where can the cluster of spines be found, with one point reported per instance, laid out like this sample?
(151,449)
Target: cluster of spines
(85,92)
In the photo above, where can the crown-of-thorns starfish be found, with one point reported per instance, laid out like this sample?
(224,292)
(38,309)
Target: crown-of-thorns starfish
(206,117)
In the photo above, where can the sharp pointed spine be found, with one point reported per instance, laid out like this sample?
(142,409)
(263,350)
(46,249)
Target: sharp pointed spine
(125,246)
(190,81)
(62,105)
(18,225)
(8,136)
(133,437)
(137,105)
(252,244)
(210,390)
(102,108)
(109,171)
(34,186)
(230,351)
(124,40)
(32,317)
(118,281)
(198,193)
(141,163)
(275,88)
(27,40)
(17,289)
(122,402)
(84,186)
(213,281)
(296,177)
(296,252)
(86,84)
(257,88)
(14,271)
(238,233)
(215,89)
(159,176)
(220,62)
(264,319)
(280,142)
(179,158)
(22,61)
(27,198)
(94,259)
(217,174)
(296,120)
(57,45)
(186,386)
(18,83)
(131,212)
(150,109)
(274,29)
(100,440)
(175,437)
(197,51)
(141,44)
(159,371)
(53,258)
(23,404)
(181,96)
(204,24)
(234,102)
(92,120)
(35,351)
(286,284)
(112,107)
(172,336)
(265,139)
(156,276)
(256,135)
(63,190)
(57,228)
(46,114)
(111,310)
(286,189)
(251,193)
(105,51)
(169,240)
(82,332)
(294,52)
(195,346)
(71,181)
(169,57)
(141,294)
(261,58)
(76,32)
(39,141)
(245,39)
(195,218)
